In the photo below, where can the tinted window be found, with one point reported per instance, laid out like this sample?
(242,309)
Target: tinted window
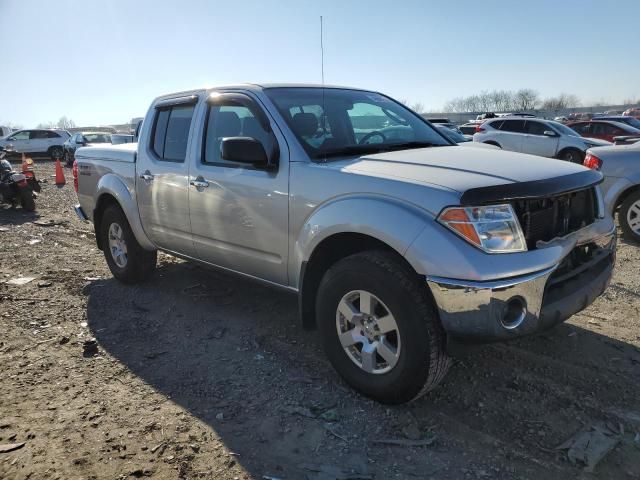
(52,135)
(175,144)
(536,128)
(231,120)
(24,135)
(38,135)
(581,128)
(513,126)
(497,124)
(160,131)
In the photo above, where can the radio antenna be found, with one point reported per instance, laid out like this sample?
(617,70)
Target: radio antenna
(321,51)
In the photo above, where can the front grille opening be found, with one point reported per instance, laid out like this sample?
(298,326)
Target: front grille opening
(543,219)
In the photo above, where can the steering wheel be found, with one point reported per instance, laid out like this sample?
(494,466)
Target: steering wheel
(375,133)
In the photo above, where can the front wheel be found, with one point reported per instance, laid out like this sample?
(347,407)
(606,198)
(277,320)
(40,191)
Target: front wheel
(127,260)
(629,217)
(27,201)
(67,159)
(56,153)
(380,329)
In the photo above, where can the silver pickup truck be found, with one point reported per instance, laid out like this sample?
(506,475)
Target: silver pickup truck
(395,240)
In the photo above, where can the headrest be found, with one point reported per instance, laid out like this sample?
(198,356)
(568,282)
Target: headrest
(305,124)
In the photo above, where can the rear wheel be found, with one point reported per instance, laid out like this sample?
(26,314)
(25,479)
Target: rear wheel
(380,329)
(27,201)
(572,155)
(127,260)
(629,217)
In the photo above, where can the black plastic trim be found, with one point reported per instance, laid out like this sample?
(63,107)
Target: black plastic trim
(549,187)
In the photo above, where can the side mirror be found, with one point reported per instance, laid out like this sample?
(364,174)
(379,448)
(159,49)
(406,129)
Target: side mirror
(549,133)
(245,150)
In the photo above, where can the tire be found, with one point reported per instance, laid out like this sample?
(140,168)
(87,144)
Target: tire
(629,217)
(67,159)
(56,153)
(420,361)
(572,155)
(27,201)
(127,260)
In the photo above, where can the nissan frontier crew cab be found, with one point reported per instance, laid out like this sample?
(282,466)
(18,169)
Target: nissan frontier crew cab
(395,240)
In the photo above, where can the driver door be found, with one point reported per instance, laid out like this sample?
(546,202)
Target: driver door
(240,213)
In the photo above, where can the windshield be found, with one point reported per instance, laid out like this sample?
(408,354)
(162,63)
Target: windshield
(563,129)
(336,122)
(97,137)
(633,121)
(451,134)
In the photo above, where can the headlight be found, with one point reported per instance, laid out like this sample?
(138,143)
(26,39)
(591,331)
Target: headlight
(492,228)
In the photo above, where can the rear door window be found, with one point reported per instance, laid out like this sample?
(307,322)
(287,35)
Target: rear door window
(171,132)
(514,126)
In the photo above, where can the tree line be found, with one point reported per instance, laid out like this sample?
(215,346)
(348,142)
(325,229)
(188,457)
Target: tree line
(510,100)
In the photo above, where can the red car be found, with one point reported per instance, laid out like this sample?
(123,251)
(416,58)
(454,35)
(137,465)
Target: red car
(604,129)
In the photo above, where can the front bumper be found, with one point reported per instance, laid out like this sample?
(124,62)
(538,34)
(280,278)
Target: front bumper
(526,304)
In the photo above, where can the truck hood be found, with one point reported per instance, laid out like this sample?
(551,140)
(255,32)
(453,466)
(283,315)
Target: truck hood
(457,168)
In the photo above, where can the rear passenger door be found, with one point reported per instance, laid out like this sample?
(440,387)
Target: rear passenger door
(511,135)
(536,142)
(162,176)
(240,213)
(38,141)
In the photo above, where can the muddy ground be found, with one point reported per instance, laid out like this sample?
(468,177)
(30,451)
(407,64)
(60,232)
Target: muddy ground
(202,375)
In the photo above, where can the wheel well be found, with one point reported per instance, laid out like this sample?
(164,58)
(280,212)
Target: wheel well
(561,152)
(494,143)
(623,196)
(102,204)
(326,254)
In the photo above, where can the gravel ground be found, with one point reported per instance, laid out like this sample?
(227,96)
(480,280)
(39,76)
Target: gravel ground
(198,374)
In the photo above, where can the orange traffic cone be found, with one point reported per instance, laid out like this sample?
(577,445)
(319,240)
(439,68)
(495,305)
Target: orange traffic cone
(60,181)
(27,163)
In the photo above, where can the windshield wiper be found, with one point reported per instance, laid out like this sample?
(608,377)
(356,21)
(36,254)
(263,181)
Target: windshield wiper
(374,148)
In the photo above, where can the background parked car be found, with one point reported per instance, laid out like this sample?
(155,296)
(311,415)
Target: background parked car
(82,139)
(5,131)
(468,128)
(621,187)
(604,129)
(37,142)
(632,112)
(119,138)
(633,121)
(452,134)
(537,137)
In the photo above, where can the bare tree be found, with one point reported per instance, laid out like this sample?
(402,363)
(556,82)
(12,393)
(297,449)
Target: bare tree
(46,125)
(526,99)
(417,107)
(65,123)
(562,101)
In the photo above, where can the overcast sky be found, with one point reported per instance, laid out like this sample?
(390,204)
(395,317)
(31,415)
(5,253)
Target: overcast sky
(102,62)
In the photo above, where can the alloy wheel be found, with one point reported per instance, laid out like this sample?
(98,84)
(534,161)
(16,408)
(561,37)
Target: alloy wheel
(117,245)
(368,332)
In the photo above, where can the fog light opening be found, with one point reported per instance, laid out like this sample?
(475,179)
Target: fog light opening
(514,313)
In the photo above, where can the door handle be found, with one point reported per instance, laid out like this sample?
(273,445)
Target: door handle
(199,183)
(146,176)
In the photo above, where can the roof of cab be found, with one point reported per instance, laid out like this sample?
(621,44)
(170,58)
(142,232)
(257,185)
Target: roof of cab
(251,86)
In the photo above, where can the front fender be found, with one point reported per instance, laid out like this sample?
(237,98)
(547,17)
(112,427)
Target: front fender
(111,184)
(388,220)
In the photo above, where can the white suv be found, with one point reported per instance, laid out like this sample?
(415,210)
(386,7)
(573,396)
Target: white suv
(536,137)
(38,141)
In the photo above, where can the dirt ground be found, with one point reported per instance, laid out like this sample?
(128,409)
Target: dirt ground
(202,375)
